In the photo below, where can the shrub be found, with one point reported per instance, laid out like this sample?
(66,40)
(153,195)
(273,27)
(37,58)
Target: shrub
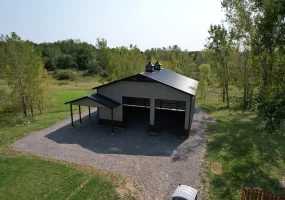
(6,104)
(94,68)
(65,75)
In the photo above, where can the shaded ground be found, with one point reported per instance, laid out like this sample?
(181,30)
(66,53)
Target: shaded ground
(246,153)
(159,163)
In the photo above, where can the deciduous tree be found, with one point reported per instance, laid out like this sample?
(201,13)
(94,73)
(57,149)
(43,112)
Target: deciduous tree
(23,67)
(204,78)
(220,42)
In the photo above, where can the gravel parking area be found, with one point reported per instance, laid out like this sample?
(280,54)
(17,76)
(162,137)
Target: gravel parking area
(159,162)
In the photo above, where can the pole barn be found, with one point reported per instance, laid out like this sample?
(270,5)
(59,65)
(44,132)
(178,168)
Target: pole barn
(167,97)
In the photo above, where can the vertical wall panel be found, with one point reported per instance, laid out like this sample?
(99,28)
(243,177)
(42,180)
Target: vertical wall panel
(187,114)
(192,110)
(105,113)
(152,111)
(150,90)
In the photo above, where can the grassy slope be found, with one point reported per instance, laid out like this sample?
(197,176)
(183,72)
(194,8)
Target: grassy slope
(248,155)
(29,177)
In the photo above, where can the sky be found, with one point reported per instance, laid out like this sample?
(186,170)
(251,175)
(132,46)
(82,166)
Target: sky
(145,23)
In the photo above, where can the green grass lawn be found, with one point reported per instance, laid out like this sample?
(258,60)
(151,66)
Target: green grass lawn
(30,177)
(24,177)
(246,153)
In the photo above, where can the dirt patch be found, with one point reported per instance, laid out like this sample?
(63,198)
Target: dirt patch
(130,188)
(122,191)
(216,168)
(207,116)
(135,190)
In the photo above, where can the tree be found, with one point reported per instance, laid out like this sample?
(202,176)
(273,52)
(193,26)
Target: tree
(260,25)
(50,64)
(94,67)
(240,18)
(220,42)
(24,70)
(124,62)
(65,62)
(204,78)
(103,53)
(83,57)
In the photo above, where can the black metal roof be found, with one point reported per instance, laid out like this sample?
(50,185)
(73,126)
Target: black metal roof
(166,77)
(100,99)
(174,80)
(104,100)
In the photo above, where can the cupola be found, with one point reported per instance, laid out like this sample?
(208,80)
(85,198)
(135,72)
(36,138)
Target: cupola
(149,67)
(157,66)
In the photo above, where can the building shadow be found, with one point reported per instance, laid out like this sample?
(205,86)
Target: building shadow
(133,140)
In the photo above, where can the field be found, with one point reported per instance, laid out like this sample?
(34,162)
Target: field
(240,152)
(30,177)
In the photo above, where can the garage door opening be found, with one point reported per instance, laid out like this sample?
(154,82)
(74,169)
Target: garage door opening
(136,111)
(169,115)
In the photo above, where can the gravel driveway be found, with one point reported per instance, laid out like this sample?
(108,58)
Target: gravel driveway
(159,163)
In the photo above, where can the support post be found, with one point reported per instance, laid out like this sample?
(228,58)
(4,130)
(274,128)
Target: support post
(98,114)
(79,114)
(89,112)
(187,117)
(71,115)
(112,121)
(152,114)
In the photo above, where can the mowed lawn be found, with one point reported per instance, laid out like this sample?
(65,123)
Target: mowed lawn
(24,177)
(29,177)
(240,152)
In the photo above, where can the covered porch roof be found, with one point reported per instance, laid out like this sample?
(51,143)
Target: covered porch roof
(95,100)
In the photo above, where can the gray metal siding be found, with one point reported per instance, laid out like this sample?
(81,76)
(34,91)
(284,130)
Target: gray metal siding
(192,110)
(142,90)
(105,113)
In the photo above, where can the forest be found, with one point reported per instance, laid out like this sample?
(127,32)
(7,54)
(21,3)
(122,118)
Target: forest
(245,53)
(115,63)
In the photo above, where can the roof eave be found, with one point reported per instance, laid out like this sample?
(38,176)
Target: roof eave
(69,102)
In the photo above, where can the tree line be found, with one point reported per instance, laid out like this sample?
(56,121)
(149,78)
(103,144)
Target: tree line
(249,48)
(115,63)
